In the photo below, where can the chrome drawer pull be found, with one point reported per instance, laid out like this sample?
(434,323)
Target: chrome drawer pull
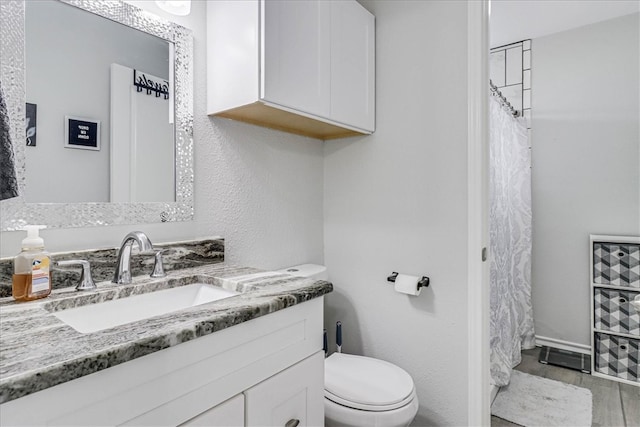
(292,423)
(622,300)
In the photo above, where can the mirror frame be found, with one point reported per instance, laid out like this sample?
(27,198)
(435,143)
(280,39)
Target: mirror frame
(16,213)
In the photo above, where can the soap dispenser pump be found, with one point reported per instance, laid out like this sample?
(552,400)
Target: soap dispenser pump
(31,268)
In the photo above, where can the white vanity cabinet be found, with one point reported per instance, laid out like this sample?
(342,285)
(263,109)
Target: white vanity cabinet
(305,67)
(266,369)
(227,414)
(291,398)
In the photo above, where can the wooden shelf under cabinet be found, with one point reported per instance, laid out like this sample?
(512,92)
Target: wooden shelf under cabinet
(267,116)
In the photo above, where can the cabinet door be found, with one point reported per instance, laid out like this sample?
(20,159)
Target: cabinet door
(226,414)
(295,63)
(294,397)
(352,65)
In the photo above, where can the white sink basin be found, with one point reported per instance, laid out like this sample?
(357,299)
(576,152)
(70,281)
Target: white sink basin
(96,317)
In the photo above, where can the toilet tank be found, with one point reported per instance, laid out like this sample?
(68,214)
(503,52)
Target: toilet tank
(312,271)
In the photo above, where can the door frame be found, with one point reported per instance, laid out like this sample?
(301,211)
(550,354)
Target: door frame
(478,309)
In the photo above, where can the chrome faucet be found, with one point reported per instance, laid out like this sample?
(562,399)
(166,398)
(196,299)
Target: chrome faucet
(123,267)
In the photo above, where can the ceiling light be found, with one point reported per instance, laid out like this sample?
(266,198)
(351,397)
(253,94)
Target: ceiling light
(175,7)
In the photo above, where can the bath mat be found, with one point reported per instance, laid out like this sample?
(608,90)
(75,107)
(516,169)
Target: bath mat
(533,401)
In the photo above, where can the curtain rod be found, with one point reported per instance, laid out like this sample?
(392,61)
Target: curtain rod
(503,101)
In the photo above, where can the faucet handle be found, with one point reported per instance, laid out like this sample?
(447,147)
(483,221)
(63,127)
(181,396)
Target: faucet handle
(86,281)
(158,266)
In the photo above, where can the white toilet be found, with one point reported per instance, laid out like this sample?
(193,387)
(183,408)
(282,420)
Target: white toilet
(362,391)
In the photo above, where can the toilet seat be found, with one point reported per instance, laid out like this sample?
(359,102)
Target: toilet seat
(366,383)
(364,407)
(337,415)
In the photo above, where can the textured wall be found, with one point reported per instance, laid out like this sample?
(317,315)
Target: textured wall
(397,201)
(586,157)
(259,189)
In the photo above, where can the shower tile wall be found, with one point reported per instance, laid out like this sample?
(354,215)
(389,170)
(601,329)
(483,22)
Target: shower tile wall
(510,71)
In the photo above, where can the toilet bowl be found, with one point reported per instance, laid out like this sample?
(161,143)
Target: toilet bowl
(362,391)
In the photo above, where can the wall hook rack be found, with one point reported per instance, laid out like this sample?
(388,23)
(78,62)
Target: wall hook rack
(142,82)
(422,283)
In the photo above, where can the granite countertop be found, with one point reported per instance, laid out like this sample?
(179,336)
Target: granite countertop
(37,350)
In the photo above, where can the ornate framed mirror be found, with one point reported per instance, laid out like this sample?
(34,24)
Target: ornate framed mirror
(102,133)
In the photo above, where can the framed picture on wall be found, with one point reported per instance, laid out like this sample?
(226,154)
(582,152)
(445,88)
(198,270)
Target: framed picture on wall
(82,133)
(31,120)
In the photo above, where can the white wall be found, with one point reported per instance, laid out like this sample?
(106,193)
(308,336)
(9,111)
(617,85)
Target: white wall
(586,163)
(259,189)
(397,201)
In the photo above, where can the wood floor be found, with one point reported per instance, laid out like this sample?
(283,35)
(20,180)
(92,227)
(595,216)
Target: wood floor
(614,404)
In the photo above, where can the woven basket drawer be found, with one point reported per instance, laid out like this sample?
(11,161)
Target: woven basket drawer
(616,264)
(613,312)
(617,356)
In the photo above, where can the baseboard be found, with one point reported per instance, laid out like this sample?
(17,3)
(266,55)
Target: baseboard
(564,345)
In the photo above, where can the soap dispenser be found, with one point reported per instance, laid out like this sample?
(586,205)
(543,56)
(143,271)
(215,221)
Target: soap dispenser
(31,268)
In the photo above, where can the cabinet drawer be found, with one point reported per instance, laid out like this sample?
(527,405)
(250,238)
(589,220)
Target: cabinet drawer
(617,356)
(616,264)
(227,414)
(294,397)
(613,312)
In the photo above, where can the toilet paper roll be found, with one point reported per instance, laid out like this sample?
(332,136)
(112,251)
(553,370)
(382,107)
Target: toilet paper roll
(406,284)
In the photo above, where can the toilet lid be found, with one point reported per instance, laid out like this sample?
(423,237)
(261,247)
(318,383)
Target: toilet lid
(366,383)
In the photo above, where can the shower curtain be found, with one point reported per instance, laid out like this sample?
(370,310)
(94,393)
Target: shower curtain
(511,319)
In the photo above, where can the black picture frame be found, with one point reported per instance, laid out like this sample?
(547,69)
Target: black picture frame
(31,123)
(81,133)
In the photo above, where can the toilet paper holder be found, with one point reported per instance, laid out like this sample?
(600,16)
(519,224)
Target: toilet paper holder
(422,283)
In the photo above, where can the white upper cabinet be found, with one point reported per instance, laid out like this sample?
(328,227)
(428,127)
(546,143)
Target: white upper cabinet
(305,67)
(296,67)
(352,65)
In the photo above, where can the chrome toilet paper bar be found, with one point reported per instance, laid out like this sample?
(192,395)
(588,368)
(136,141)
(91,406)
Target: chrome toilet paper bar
(422,283)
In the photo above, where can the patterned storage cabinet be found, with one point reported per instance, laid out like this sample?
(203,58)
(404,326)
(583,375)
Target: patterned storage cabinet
(615,282)
(617,356)
(616,264)
(614,313)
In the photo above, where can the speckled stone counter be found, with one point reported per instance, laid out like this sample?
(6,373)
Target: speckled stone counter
(37,350)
